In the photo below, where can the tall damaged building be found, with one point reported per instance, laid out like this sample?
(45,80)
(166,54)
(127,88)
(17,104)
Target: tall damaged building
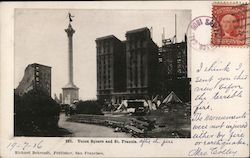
(36,77)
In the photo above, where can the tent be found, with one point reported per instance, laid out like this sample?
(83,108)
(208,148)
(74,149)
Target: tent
(152,106)
(155,99)
(156,102)
(172,98)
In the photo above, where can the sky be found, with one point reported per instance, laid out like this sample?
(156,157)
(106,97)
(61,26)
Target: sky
(40,38)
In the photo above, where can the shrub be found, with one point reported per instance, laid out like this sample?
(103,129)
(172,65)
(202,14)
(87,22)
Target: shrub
(35,113)
(89,107)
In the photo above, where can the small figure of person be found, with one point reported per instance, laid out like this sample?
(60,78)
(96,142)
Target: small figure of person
(67,110)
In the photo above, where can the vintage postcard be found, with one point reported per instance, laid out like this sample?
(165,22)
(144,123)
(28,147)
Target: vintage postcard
(124,79)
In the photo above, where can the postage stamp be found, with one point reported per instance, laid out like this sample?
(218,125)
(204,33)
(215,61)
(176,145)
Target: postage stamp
(232,26)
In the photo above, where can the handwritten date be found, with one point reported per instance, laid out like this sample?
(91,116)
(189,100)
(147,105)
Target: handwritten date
(24,145)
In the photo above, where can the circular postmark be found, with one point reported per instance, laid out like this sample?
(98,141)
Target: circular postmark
(199,33)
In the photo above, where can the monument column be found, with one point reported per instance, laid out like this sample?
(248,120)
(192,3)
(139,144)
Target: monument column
(70,31)
(70,91)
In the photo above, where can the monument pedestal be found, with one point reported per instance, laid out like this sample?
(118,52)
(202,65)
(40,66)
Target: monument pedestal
(70,94)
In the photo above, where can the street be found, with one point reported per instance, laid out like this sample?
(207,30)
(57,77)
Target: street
(88,130)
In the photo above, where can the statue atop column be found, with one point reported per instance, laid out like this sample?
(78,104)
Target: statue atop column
(70,17)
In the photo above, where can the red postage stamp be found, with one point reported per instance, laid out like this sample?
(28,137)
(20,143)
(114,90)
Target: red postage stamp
(231,27)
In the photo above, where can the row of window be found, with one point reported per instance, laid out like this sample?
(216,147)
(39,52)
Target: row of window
(47,84)
(107,46)
(104,83)
(103,59)
(103,74)
(104,92)
(105,87)
(130,91)
(134,67)
(135,44)
(104,43)
(180,69)
(104,50)
(104,64)
(137,90)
